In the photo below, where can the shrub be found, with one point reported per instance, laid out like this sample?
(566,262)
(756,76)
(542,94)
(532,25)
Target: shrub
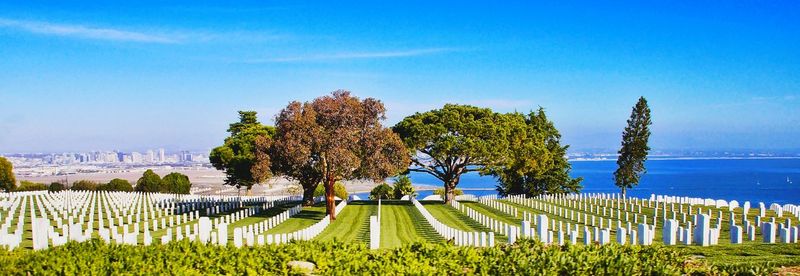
(440,192)
(25,186)
(383,191)
(149,182)
(403,187)
(56,187)
(526,257)
(338,190)
(176,183)
(84,185)
(116,185)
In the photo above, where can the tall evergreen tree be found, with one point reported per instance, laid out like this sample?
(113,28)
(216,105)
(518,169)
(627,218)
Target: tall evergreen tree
(633,152)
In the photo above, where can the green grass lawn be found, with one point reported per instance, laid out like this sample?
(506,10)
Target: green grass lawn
(352,224)
(492,213)
(307,217)
(453,218)
(402,223)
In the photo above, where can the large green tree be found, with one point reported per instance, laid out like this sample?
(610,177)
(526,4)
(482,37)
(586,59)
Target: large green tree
(449,142)
(333,138)
(538,163)
(7,180)
(176,183)
(149,182)
(633,153)
(237,155)
(117,184)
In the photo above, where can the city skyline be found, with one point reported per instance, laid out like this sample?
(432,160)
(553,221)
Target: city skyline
(127,76)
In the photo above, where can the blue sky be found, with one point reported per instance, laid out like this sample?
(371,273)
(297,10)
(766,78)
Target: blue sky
(81,76)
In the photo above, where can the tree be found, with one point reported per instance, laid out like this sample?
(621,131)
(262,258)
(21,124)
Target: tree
(176,183)
(84,185)
(454,140)
(149,182)
(117,184)
(382,191)
(538,163)
(633,152)
(338,190)
(56,187)
(7,180)
(403,187)
(25,186)
(333,138)
(441,192)
(237,156)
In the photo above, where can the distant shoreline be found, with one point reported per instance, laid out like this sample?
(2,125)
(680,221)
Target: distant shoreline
(689,158)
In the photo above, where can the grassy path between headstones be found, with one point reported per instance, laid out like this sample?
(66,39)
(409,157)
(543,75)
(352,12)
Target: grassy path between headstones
(453,218)
(402,223)
(352,224)
(307,217)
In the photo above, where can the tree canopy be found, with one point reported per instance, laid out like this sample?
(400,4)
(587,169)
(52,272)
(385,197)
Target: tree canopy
(7,180)
(176,183)
(538,163)
(633,152)
(56,187)
(25,185)
(116,184)
(149,182)
(333,138)
(382,191)
(84,185)
(403,187)
(454,140)
(237,155)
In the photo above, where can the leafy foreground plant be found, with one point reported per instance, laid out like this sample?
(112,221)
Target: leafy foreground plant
(523,258)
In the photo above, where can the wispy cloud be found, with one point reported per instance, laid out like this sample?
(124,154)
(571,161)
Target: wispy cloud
(85,32)
(355,55)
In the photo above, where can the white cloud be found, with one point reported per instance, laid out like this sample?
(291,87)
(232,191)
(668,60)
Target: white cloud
(86,32)
(356,55)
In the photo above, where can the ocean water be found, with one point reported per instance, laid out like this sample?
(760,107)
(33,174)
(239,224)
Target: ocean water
(754,180)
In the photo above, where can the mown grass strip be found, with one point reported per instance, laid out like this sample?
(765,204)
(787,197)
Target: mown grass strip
(352,225)
(307,217)
(402,224)
(453,218)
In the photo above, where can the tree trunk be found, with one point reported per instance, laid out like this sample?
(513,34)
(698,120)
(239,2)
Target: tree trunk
(308,196)
(249,191)
(623,192)
(450,190)
(330,202)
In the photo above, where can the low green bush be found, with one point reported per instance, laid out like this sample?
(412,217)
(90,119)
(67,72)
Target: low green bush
(330,258)
(338,190)
(25,186)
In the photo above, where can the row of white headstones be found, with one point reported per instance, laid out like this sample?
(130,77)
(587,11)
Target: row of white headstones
(586,209)
(459,237)
(63,208)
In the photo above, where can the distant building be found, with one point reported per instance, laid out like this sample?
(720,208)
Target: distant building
(161,157)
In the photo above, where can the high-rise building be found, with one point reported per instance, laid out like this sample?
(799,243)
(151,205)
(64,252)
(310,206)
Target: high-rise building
(161,157)
(185,157)
(150,157)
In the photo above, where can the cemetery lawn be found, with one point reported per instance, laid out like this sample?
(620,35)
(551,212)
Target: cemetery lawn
(352,224)
(307,217)
(453,218)
(492,213)
(402,224)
